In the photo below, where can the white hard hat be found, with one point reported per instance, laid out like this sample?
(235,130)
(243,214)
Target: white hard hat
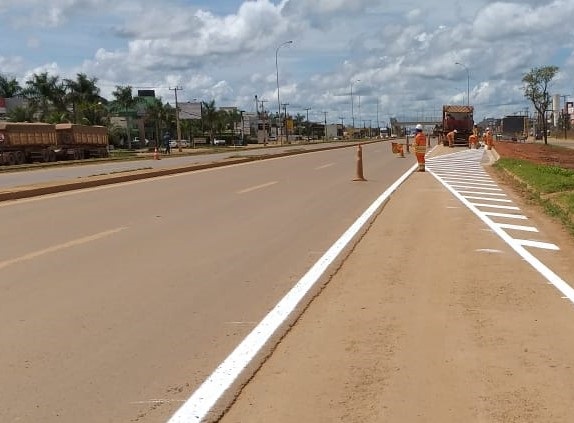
(487,128)
(455,131)
(419,127)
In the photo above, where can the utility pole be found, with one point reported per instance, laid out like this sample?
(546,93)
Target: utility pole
(264,118)
(308,127)
(285,121)
(175,90)
(325,113)
(564,116)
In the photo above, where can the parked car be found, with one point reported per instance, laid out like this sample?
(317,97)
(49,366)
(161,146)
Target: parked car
(218,142)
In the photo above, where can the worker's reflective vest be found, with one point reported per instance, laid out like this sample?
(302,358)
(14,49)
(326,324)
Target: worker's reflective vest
(420,143)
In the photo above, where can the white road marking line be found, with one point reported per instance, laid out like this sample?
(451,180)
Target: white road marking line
(462,177)
(325,166)
(246,190)
(560,284)
(500,200)
(467,182)
(488,250)
(196,408)
(537,244)
(509,216)
(471,187)
(495,206)
(516,227)
(494,194)
(58,247)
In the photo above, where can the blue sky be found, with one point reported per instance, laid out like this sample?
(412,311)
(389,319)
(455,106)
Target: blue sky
(404,53)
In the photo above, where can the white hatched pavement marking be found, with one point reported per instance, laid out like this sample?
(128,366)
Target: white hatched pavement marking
(538,244)
(500,200)
(517,227)
(436,166)
(495,206)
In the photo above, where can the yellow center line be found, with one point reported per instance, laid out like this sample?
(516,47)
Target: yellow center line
(246,190)
(58,247)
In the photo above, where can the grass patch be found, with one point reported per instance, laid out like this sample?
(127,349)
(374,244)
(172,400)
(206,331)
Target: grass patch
(550,186)
(546,179)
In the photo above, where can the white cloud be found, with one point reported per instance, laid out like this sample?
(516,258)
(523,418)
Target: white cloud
(404,53)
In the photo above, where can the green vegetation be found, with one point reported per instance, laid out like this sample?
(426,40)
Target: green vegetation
(550,186)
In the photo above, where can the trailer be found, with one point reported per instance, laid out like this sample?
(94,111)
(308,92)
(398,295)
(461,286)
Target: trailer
(27,142)
(460,118)
(78,142)
(43,142)
(515,127)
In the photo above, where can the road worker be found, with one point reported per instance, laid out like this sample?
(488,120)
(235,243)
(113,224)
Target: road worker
(450,137)
(488,140)
(473,141)
(420,146)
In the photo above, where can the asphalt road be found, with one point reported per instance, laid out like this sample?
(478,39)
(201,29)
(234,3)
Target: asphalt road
(65,171)
(118,301)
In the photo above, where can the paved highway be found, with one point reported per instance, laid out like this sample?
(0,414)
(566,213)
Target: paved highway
(62,171)
(118,301)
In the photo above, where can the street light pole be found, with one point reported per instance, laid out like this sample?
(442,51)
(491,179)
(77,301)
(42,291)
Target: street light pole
(277,72)
(467,82)
(353,105)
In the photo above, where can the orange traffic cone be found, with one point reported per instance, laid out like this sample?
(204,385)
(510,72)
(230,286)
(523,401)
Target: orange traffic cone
(359,176)
(156,154)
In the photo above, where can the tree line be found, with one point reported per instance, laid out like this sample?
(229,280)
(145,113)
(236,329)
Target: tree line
(52,99)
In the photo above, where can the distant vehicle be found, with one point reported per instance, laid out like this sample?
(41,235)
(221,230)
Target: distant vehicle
(218,142)
(460,118)
(30,142)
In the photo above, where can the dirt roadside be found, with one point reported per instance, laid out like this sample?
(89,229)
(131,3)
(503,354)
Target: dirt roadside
(432,318)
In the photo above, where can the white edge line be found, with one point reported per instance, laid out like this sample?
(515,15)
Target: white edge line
(200,403)
(550,276)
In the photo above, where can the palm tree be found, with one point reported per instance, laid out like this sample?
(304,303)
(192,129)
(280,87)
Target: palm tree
(82,94)
(47,94)
(210,115)
(125,103)
(158,114)
(21,114)
(9,87)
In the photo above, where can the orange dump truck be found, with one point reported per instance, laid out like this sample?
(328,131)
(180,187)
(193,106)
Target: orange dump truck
(460,118)
(43,142)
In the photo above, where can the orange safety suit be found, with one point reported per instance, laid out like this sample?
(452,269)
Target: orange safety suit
(420,149)
(472,141)
(489,141)
(450,138)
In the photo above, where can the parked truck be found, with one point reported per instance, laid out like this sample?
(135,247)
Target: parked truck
(43,142)
(78,142)
(460,118)
(515,127)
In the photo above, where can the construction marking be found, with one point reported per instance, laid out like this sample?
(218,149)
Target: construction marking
(59,247)
(517,227)
(505,215)
(495,206)
(255,188)
(469,159)
(500,200)
(538,244)
(206,396)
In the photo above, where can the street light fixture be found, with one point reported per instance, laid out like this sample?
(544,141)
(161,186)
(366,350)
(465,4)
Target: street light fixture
(277,72)
(467,82)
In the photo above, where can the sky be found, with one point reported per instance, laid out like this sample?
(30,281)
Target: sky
(361,60)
